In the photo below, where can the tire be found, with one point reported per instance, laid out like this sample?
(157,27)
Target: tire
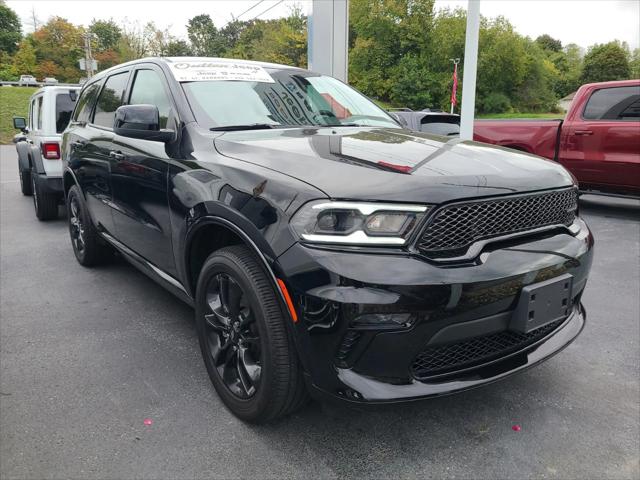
(25,182)
(88,247)
(259,349)
(44,203)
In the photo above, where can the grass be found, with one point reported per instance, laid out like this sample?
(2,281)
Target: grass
(521,115)
(14,102)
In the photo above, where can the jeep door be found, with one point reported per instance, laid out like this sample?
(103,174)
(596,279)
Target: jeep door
(139,177)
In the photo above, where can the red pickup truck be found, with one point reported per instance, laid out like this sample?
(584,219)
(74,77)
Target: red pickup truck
(598,141)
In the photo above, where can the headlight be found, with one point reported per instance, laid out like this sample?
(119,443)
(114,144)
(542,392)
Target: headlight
(355,223)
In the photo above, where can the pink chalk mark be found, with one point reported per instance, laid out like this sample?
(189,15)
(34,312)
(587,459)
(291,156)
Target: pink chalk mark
(148,421)
(516,428)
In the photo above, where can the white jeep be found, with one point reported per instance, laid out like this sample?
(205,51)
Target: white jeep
(38,146)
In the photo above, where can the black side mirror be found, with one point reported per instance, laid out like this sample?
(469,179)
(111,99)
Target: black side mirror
(19,123)
(141,121)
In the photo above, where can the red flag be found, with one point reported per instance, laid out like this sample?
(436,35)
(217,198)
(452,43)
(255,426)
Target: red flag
(454,90)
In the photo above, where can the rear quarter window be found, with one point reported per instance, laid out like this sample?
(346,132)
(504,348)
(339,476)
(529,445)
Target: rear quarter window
(85,103)
(64,107)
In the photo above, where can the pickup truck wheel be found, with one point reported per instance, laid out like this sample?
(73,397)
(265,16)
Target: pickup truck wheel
(44,203)
(88,247)
(25,182)
(247,349)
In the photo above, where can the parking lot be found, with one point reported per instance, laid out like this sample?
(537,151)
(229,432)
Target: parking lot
(86,355)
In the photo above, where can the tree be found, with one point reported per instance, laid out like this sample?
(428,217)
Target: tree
(547,42)
(634,63)
(60,42)
(177,48)
(10,30)
(24,61)
(604,62)
(204,36)
(107,33)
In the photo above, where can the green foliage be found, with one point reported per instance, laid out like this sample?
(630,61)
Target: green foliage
(603,62)
(634,63)
(24,61)
(59,42)
(14,102)
(547,42)
(400,53)
(10,30)
(107,33)
(494,102)
(205,37)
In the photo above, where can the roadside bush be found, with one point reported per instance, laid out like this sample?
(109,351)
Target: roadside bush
(494,103)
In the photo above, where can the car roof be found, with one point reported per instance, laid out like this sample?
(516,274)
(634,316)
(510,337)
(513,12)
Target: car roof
(168,60)
(56,88)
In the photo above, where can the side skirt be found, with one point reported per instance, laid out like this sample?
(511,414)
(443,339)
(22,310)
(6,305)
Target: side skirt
(150,270)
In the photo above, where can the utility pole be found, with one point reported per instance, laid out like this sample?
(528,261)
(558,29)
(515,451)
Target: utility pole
(88,57)
(34,19)
(454,88)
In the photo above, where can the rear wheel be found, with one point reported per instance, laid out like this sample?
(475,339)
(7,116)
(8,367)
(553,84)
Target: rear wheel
(247,350)
(45,203)
(88,247)
(25,182)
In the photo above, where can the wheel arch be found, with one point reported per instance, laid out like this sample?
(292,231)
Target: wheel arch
(68,180)
(210,233)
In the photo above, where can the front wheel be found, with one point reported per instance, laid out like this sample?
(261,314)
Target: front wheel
(247,350)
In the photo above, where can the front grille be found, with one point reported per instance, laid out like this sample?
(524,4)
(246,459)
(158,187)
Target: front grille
(454,228)
(441,359)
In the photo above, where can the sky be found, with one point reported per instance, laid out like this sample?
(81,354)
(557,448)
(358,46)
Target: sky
(584,22)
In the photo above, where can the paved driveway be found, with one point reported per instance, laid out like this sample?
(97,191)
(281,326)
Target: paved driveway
(87,355)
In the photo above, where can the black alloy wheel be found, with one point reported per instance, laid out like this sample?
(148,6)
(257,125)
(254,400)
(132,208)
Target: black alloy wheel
(246,344)
(88,247)
(76,227)
(233,336)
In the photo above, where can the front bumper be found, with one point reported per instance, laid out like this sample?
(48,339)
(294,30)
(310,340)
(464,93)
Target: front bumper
(371,362)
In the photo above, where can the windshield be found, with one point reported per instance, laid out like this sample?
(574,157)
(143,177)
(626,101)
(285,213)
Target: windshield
(294,98)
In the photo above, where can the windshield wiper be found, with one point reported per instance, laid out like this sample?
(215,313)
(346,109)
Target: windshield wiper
(251,126)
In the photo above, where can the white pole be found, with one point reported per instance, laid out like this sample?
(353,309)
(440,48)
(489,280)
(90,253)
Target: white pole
(328,39)
(470,70)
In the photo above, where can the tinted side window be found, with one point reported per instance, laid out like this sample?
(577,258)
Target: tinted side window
(64,107)
(85,103)
(148,89)
(618,103)
(39,112)
(110,99)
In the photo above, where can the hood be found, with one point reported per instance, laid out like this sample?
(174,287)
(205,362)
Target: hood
(393,164)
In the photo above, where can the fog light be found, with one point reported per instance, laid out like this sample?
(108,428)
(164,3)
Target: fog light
(383,320)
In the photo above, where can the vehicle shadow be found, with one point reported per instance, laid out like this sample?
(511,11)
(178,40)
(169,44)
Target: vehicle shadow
(611,207)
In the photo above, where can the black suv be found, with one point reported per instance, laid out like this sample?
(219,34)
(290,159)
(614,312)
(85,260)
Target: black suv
(326,250)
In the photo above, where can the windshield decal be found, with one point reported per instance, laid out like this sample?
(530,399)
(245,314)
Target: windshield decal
(219,71)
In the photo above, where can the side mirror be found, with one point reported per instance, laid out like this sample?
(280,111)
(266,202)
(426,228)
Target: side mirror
(19,123)
(142,122)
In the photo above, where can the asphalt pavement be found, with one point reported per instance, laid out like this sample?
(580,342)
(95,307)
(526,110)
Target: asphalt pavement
(86,355)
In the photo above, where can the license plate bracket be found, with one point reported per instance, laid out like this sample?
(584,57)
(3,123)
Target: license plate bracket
(543,303)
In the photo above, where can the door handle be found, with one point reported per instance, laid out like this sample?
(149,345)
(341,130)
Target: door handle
(78,144)
(116,155)
(583,132)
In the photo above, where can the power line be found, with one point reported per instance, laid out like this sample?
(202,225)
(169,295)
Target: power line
(250,8)
(272,6)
